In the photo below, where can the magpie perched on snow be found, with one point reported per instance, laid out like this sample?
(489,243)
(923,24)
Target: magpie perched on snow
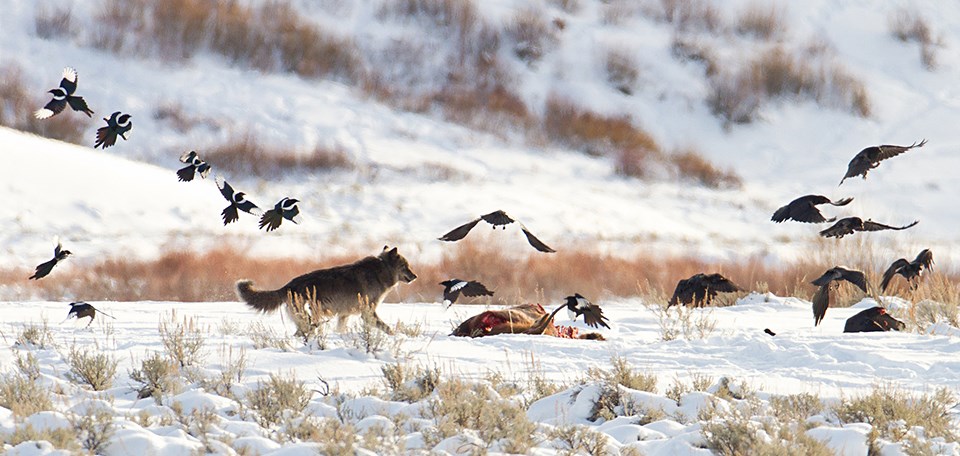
(829,282)
(700,289)
(63,96)
(804,209)
(117,124)
(577,305)
(848,225)
(59,254)
(453,288)
(871,157)
(194,166)
(81,309)
(286,208)
(497,218)
(237,201)
(910,270)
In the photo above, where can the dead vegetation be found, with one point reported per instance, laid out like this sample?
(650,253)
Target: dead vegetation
(211,276)
(249,156)
(908,25)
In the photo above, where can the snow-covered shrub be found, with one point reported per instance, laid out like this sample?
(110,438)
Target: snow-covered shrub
(182,341)
(93,369)
(157,375)
(277,396)
(909,25)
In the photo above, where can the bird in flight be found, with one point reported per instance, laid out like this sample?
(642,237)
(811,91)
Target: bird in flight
(829,282)
(238,202)
(453,288)
(81,309)
(871,157)
(117,125)
(286,208)
(43,269)
(700,289)
(848,225)
(194,167)
(496,218)
(804,209)
(910,270)
(63,96)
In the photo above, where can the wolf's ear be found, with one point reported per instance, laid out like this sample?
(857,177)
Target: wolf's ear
(385,248)
(393,252)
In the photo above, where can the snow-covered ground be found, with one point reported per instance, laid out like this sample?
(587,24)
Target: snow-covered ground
(800,359)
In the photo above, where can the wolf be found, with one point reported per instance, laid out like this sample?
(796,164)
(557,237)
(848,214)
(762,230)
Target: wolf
(341,291)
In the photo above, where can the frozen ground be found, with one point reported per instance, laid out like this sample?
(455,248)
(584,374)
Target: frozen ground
(820,361)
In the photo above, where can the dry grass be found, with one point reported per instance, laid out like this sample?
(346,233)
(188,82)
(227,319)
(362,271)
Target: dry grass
(893,412)
(692,50)
(52,23)
(763,21)
(271,37)
(686,15)
(593,133)
(690,165)
(777,74)
(247,155)
(532,36)
(908,25)
(211,276)
(20,101)
(622,70)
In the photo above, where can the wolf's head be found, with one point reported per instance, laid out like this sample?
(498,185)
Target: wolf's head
(398,264)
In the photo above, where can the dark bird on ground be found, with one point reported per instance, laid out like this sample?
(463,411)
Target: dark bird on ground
(874,319)
(804,209)
(700,289)
(577,305)
(117,125)
(829,282)
(194,166)
(81,309)
(286,208)
(238,201)
(848,225)
(497,218)
(59,254)
(63,96)
(910,270)
(768,331)
(871,157)
(453,288)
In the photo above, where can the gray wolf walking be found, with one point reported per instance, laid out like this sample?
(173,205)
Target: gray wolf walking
(341,291)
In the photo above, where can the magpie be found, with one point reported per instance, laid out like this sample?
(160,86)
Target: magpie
(237,201)
(81,309)
(286,208)
(194,166)
(59,254)
(63,96)
(453,288)
(117,124)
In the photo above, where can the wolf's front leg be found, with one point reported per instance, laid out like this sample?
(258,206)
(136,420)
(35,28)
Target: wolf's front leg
(375,319)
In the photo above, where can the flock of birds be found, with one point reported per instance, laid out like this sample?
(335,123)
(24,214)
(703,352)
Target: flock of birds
(697,290)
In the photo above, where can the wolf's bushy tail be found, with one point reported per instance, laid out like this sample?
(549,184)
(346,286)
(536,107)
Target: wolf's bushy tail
(264,301)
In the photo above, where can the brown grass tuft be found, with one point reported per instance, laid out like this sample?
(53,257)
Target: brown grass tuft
(247,155)
(691,15)
(595,134)
(52,23)
(763,21)
(532,35)
(737,97)
(908,25)
(271,37)
(691,165)
(621,70)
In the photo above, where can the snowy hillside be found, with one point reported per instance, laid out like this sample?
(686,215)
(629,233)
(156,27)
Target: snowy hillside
(418,176)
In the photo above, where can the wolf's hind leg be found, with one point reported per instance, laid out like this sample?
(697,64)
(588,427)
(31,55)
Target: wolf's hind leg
(375,319)
(342,323)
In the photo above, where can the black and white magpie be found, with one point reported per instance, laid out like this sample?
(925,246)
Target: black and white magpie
(238,202)
(43,269)
(286,208)
(194,166)
(117,125)
(453,288)
(63,96)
